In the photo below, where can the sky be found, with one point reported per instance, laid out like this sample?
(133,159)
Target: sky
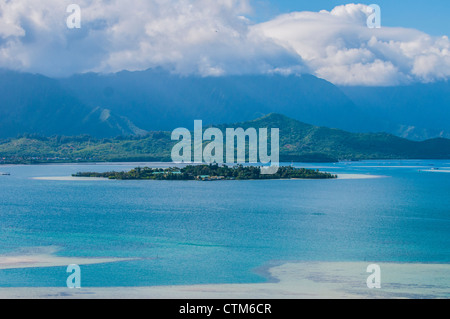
(329,39)
(430,16)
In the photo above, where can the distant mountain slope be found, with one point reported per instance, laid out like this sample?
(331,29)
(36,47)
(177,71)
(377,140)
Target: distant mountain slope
(130,103)
(158,100)
(417,111)
(36,104)
(300,138)
(298,142)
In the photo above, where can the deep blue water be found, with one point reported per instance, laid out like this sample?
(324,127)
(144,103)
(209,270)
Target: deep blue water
(192,232)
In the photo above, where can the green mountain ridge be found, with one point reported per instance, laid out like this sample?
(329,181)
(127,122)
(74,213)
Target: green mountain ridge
(136,102)
(299,142)
(300,138)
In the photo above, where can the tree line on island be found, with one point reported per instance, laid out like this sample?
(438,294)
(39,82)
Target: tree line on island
(210,172)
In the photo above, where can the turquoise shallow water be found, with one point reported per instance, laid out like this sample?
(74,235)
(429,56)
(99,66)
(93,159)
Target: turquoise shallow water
(220,232)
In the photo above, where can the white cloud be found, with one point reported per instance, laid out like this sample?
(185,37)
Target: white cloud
(339,47)
(213,38)
(204,37)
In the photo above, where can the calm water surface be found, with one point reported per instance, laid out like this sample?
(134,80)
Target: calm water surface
(188,232)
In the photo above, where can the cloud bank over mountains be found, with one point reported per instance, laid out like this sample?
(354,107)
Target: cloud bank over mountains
(339,47)
(213,38)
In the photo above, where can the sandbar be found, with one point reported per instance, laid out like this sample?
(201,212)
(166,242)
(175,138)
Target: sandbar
(436,170)
(70,178)
(290,280)
(358,176)
(43,257)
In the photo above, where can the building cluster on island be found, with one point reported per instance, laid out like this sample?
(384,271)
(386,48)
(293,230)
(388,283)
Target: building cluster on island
(212,172)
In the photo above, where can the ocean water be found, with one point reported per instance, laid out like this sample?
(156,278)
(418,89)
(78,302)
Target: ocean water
(188,232)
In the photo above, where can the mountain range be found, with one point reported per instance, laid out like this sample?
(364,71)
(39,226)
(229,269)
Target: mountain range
(299,142)
(134,103)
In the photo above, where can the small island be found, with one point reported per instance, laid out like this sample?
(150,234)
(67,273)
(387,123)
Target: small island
(212,172)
